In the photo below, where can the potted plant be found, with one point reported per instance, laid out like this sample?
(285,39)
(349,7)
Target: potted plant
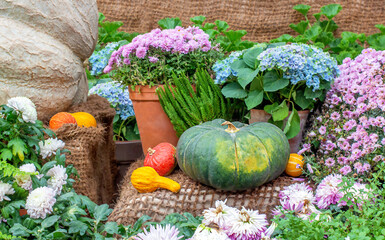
(148,62)
(281,83)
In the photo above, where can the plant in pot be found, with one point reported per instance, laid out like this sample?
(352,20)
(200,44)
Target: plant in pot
(148,62)
(281,83)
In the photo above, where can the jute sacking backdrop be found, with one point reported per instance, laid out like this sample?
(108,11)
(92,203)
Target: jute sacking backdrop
(262,19)
(193,197)
(92,151)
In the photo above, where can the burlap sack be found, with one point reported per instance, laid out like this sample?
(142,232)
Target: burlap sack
(263,20)
(93,151)
(193,197)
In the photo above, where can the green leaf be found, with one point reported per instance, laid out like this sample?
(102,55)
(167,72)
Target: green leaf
(221,25)
(111,27)
(325,38)
(317,16)
(169,23)
(283,38)
(381,27)
(235,36)
(310,94)
(77,227)
(198,20)
(253,99)
(209,26)
(280,112)
(49,221)
(351,37)
(18,147)
(250,56)
(328,26)
(292,127)
(302,8)
(234,90)
(6,154)
(101,212)
(238,64)
(269,108)
(313,32)
(58,234)
(211,32)
(256,84)
(19,230)
(272,82)
(301,100)
(300,27)
(111,227)
(331,10)
(246,76)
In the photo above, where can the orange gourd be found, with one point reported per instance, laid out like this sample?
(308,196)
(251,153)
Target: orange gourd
(146,179)
(295,165)
(84,119)
(59,119)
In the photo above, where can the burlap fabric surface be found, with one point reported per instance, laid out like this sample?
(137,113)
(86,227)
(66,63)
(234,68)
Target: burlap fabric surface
(92,151)
(263,20)
(193,197)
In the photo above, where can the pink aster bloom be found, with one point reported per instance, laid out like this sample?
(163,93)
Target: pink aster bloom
(345,170)
(329,162)
(322,130)
(328,192)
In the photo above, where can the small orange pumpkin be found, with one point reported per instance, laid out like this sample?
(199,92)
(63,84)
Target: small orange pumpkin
(84,119)
(295,165)
(61,118)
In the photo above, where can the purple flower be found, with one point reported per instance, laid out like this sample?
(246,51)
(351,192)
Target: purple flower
(329,162)
(153,59)
(309,168)
(141,52)
(335,116)
(322,130)
(345,170)
(328,192)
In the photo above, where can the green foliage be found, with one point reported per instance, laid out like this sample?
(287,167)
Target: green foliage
(218,31)
(187,108)
(322,34)
(364,221)
(125,130)
(108,32)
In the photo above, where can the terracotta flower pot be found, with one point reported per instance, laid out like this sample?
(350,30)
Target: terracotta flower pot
(257,115)
(154,125)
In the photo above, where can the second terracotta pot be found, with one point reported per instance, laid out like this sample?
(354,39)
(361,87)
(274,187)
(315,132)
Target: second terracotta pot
(257,115)
(153,123)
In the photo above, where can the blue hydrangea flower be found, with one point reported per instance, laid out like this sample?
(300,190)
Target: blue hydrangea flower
(222,68)
(300,62)
(99,59)
(118,97)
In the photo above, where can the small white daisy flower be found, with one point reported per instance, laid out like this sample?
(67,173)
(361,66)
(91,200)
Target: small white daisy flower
(40,202)
(5,189)
(25,106)
(50,146)
(58,178)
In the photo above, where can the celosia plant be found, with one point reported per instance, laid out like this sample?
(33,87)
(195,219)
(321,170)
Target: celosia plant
(348,136)
(151,58)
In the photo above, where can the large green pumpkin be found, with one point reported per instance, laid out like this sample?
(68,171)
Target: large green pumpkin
(234,156)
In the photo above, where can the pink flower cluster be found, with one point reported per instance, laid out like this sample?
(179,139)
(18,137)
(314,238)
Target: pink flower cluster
(349,134)
(178,40)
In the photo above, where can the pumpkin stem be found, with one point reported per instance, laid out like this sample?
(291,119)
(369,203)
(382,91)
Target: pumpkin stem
(231,128)
(151,151)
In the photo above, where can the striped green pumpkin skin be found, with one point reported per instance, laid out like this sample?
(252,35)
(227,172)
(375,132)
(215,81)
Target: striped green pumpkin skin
(254,155)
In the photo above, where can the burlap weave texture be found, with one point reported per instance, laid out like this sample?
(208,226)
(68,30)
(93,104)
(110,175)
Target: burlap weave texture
(193,197)
(92,151)
(263,20)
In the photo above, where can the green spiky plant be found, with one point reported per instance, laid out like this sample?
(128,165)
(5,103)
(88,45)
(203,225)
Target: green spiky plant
(186,107)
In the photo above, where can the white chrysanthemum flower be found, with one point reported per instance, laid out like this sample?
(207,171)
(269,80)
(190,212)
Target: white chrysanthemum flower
(204,233)
(25,181)
(267,234)
(50,146)
(40,202)
(218,215)
(160,233)
(246,224)
(58,178)
(25,106)
(5,189)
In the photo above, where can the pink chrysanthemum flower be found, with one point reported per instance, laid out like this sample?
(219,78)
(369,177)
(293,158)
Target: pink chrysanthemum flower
(328,192)
(160,233)
(246,225)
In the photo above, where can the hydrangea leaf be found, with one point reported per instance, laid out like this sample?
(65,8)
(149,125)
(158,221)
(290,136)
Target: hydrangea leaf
(253,99)
(302,8)
(234,90)
(331,10)
(246,76)
(292,127)
(272,82)
(18,147)
(279,112)
(310,94)
(301,100)
(238,64)
(300,27)
(250,56)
